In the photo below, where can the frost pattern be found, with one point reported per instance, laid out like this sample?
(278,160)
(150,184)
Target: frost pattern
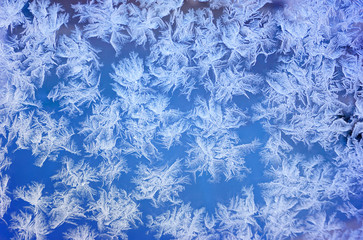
(115,211)
(83,232)
(238,219)
(161,184)
(216,148)
(181,223)
(126,107)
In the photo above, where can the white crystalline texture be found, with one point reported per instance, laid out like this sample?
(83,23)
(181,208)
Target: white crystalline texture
(160,184)
(127,106)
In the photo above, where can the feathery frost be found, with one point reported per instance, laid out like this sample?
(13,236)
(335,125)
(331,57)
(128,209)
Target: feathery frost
(143,117)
